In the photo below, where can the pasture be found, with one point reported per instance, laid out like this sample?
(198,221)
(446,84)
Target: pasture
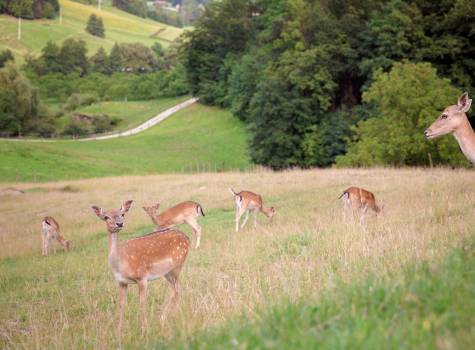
(313,276)
(194,138)
(120,27)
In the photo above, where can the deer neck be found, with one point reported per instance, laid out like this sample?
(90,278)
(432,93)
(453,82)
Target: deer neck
(114,249)
(466,139)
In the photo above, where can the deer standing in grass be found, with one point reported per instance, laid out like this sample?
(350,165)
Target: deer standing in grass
(182,213)
(360,199)
(50,231)
(247,202)
(143,259)
(454,120)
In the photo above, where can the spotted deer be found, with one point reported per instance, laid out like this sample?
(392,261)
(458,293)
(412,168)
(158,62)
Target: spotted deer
(182,213)
(247,202)
(51,231)
(360,199)
(140,260)
(453,120)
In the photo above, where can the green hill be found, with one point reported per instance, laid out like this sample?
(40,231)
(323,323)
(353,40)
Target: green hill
(198,136)
(120,27)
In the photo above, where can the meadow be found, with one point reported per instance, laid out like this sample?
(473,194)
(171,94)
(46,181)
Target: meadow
(131,113)
(195,138)
(120,27)
(312,277)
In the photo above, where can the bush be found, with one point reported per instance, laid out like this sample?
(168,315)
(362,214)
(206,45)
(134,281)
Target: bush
(81,124)
(78,100)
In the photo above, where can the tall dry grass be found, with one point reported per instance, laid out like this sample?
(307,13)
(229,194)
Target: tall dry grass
(70,300)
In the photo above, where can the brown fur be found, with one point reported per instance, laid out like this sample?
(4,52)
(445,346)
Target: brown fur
(50,231)
(359,198)
(182,213)
(246,202)
(143,259)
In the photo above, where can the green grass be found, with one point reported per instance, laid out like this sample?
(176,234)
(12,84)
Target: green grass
(430,307)
(131,113)
(120,27)
(196,136)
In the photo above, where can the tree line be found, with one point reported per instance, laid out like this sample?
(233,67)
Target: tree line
(65,74)
(320,82)
(30,8)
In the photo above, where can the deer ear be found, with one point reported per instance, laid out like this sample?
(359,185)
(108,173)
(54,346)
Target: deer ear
(464,103)
(126,206)
(98,211)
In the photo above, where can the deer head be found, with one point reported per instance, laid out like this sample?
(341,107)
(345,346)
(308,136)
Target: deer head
(452,118)
(114,219)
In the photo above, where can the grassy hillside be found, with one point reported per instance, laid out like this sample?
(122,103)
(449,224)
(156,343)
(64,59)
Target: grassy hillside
(313,276)
(131,113)
(196,136)
(120,27)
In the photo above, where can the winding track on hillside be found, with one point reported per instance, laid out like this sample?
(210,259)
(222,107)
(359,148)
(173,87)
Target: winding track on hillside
(142,127)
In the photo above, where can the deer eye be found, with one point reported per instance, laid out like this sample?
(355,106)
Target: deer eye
(444,116)
(106,217)
(122,215)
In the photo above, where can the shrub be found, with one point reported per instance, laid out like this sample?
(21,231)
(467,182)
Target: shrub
(78,100)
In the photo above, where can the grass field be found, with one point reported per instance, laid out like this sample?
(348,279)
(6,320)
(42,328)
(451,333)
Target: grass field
(313,276)
(197,136)
(132,113)
(120,27)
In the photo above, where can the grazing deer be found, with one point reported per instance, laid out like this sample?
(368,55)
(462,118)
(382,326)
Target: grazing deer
(143,259)
(182,213)
(360,199)
(50,231)
(246,202)
(454,120)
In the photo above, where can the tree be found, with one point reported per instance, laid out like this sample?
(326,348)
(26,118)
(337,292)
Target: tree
(95,26)
(20,107)
(100,62)
(115,59)
(406,100)
(136,57)
(73,56)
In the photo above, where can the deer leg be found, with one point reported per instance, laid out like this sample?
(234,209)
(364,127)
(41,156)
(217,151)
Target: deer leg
(43,246)
(143,284)
(255,218)
(196,232)
(122,301)
(239,212)
(245,219)
(172,278)
(364,209)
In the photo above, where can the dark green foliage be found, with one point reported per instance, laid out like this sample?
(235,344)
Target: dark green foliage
(95,26)
(5,56)
(115,59)
(407,99)
(30,8)
(312,59)
(71,57)
(136,7)
(100,62)
(20,107)
(136,57)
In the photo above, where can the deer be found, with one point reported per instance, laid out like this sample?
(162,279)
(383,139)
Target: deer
(360,199)
(143,259)
(51,230)
(246,202)
(182,213)
(454,120)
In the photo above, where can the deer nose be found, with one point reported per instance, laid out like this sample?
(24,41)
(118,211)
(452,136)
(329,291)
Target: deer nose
(119,224)
(427,132)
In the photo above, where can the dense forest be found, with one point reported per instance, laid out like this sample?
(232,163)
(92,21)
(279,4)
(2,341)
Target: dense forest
(318,82)
(30,8)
